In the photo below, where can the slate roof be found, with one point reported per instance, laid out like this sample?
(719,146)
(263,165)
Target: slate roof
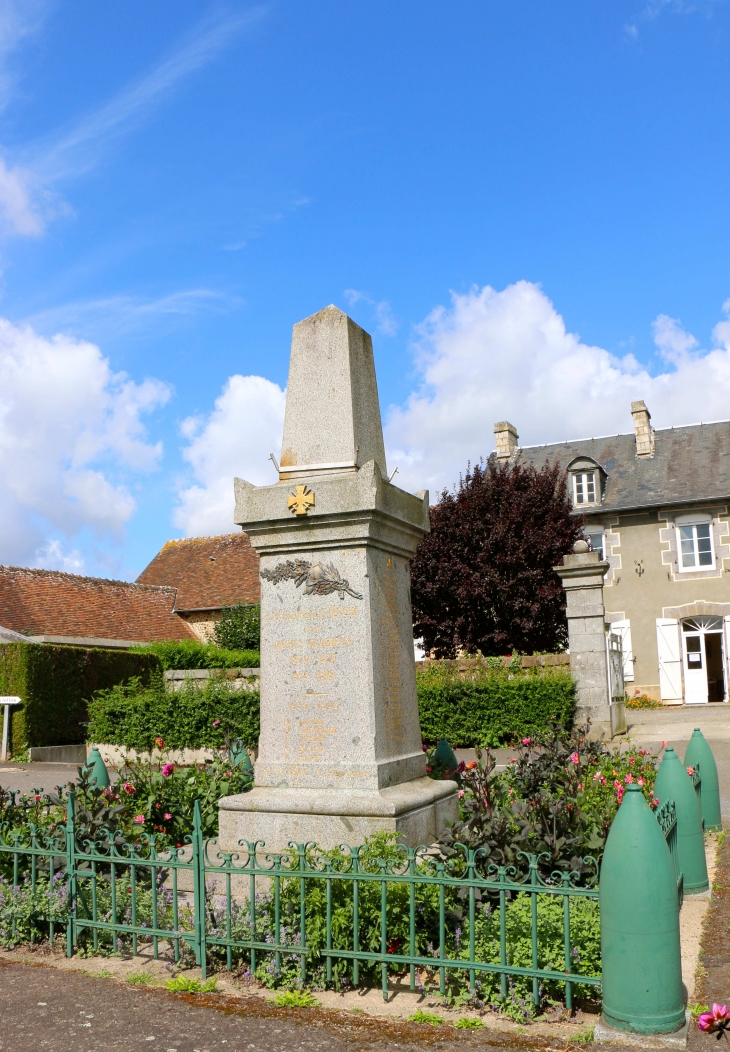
(690,464)
(47,602)
(208,572)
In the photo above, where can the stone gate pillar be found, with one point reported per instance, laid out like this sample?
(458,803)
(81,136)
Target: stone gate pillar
(582,576)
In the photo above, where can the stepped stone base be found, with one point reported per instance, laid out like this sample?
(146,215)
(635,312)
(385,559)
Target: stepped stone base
(418,811)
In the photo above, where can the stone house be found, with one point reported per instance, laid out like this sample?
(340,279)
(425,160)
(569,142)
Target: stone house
(656,507)
(207,573)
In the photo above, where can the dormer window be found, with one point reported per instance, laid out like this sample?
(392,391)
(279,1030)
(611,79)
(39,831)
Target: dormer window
(587,481)
(584,487)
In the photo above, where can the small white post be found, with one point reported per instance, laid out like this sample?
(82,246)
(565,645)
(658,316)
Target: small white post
(6,702)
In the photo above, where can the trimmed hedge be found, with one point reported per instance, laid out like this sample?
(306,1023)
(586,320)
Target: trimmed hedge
(134,714)
(55,683)
(492,706)
(189,653)
(485,707)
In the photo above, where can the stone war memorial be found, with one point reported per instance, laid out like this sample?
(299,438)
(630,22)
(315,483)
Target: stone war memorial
(340,753)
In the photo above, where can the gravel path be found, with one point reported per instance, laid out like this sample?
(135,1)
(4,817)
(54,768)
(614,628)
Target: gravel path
(62,1011)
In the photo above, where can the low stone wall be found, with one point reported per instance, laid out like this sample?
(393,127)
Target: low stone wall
(239,678)
(117,755)
(526,661)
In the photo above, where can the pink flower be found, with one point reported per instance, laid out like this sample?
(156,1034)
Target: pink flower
(716,1021)
(664,745)
(160,743)
(460,793)
(575,758)
(424,748)
(128,788)
(655,801)
(641,782)
(167,769)
(228,774)
(139,819)
(167,815)
(632,759)
(216,723)
(617,785)
(629,779)
(690,770)
(526,741)
(596,776)
(428,768)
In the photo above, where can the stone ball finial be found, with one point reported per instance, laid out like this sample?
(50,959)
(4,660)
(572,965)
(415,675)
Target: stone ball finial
(580,547)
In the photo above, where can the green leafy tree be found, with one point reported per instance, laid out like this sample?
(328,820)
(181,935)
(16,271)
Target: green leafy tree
(483,579)
(239,627)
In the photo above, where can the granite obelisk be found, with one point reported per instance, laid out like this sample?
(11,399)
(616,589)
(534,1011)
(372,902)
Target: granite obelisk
(340,750)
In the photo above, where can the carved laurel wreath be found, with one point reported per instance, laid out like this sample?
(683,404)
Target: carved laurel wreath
(317,579)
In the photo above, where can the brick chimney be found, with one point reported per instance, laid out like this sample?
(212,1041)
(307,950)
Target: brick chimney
(507,439)
(643,430)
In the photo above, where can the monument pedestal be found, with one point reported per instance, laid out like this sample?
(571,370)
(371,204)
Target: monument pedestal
(340,754)
(417,811)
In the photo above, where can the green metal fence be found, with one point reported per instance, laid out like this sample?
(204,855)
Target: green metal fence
(305,906)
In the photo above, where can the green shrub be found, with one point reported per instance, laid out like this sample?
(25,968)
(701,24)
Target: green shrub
(491,707)
(239,628)
(55,683)
(190,653)
(134,714)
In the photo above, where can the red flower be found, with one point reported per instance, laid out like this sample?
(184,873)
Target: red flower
(160,743)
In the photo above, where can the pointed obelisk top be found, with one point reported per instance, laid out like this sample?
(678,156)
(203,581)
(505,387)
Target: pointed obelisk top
(332,420)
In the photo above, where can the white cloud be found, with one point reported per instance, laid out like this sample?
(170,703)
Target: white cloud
(508,356)
(236,439)
(386,324)
(70,432)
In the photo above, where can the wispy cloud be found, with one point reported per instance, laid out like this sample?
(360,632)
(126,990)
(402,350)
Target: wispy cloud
(654,8)
(28,199)
(114,315)
(386,324)
(77,150)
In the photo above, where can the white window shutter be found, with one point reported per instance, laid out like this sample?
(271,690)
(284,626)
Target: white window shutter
(670,658)
(623,629)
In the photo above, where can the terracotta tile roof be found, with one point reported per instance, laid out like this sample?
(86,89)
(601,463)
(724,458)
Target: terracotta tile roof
(208,572)
(46,602)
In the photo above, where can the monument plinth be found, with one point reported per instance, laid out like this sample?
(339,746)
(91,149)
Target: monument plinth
(340,749)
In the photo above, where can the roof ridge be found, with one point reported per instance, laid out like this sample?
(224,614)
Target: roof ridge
(622,434)
(201,540)
(39,572)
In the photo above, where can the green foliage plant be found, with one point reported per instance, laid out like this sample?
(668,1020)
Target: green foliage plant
(191,653)
(55,684)
(468,1022)
(426,1017)
(239,627)
(296,999)
(134,714)
(182,984)
(140,978)
(489,707)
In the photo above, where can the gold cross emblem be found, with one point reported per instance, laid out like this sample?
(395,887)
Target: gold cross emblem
(301,500)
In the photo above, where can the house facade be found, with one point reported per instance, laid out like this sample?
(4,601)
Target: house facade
(656,508)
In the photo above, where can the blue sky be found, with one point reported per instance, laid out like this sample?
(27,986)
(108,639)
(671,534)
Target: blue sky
(527,204)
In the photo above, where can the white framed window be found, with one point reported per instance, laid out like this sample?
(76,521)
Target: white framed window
(695,550)
(594,535)
(584,487)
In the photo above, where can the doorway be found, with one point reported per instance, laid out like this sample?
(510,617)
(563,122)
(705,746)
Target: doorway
(703,655)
